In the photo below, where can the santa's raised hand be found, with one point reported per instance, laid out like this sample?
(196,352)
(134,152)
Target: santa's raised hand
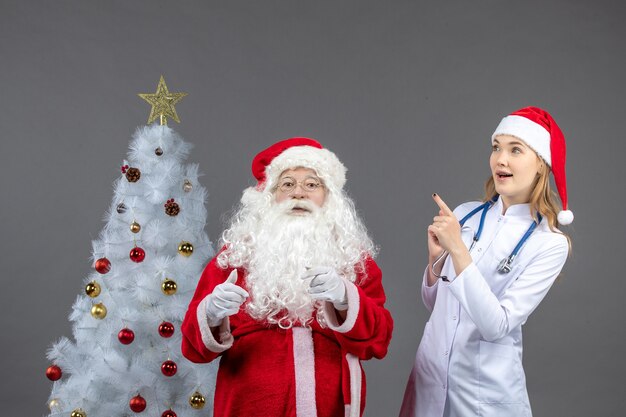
(326,285)
(225,300)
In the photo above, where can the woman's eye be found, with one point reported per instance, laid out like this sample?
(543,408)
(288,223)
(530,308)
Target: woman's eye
(495,148)
(517,150)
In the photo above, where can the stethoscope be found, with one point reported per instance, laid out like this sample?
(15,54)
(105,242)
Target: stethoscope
(504,267)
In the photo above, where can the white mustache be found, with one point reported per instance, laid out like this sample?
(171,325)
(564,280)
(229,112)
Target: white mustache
(301,204)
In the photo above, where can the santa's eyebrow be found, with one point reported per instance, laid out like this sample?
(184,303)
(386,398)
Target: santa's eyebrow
(308,177)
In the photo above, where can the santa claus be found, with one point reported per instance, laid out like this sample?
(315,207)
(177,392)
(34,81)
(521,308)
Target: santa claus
(294,300)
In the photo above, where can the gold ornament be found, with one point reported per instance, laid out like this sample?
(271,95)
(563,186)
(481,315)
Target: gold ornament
(185,248)
(169,287)
(162,103)
(99,311)
(135,227)
(78,413)
(187,186)
(54,405)
(92,289)
(197,400)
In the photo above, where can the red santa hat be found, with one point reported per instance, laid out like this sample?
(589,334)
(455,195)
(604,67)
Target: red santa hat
(298,152)
(539,130)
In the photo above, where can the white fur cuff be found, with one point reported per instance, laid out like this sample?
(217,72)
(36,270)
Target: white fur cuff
(354,303)
(226,338)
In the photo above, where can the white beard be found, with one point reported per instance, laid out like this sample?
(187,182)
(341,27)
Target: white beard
(276,247)
(285,247)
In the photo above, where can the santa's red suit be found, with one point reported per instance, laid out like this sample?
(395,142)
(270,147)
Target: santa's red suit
(300,372)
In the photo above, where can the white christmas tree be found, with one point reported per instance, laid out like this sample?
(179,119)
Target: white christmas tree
(126,358)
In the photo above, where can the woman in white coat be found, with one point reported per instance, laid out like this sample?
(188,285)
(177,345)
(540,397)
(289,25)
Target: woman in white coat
(490,265)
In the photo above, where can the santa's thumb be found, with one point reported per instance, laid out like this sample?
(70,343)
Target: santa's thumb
(232,278)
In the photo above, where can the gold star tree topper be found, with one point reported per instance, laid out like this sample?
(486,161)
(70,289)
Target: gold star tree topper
(162,103)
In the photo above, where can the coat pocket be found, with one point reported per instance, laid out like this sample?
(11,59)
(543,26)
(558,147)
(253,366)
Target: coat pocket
(503,409)
(501,378)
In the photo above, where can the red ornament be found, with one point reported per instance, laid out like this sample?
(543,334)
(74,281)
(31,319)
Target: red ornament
(126,336)
(169,368)
(54,373)
(103,265)
(137,254)
(137,404)
(166,329)
(168,413)
(124,169)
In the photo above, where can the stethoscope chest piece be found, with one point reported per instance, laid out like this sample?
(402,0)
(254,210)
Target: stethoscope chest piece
(504,267)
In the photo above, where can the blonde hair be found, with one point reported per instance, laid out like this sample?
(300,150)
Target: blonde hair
(543,199)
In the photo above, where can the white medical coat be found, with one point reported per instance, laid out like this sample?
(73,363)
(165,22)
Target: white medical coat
(469,361)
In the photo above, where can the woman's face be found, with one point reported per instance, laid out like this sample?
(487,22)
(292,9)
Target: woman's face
(514,167)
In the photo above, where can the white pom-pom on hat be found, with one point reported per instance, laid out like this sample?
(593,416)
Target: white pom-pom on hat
(565,217)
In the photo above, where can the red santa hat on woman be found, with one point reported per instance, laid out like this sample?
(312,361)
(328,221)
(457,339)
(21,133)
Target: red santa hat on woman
(539,130)
(298,152)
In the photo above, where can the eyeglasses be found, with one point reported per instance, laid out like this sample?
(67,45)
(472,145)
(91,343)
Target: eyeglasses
(288,185)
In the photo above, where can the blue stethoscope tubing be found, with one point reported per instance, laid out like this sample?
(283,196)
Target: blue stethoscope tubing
(504,267)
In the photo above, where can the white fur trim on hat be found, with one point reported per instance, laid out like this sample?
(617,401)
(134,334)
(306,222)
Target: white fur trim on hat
(322,161)
(535,135)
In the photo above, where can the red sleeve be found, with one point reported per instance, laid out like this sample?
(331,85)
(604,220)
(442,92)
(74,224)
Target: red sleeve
(366,331)
(193,347)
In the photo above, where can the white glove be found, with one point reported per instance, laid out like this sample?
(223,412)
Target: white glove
(325,284)
(225,300)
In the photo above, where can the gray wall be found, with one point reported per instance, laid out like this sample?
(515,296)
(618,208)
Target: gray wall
(405,92)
